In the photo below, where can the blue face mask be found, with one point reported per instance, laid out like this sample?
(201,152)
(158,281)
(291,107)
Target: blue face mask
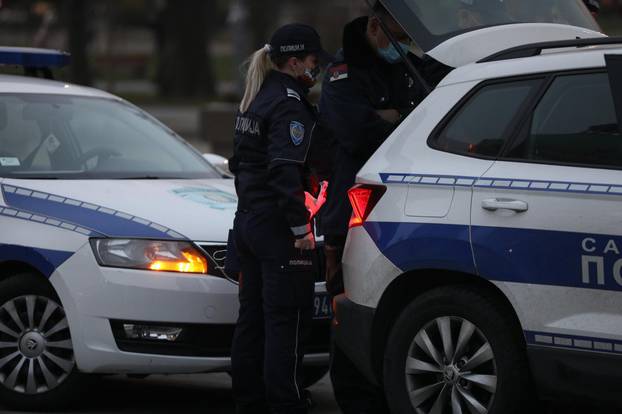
(390,53)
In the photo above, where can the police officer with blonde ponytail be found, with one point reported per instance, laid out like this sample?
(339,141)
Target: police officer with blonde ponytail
(273,152)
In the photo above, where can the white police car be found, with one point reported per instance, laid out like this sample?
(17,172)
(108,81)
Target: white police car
(484,256)
(112,243)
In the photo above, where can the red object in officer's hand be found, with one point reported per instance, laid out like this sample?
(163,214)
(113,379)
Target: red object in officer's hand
(315,204)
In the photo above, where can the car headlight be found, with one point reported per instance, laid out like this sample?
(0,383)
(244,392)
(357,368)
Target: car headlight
(167,256)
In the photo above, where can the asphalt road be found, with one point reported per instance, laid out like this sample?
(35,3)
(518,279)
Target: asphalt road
(180,394)
(204,394)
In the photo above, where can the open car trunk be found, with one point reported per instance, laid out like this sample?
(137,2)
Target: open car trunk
(458,32)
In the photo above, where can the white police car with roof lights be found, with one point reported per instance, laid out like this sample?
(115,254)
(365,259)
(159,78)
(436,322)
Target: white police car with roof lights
(484,257)
(112,243)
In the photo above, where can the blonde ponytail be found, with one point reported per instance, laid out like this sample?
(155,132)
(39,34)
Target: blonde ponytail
(259,65)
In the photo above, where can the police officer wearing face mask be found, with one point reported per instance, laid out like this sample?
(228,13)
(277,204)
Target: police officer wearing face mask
(273,150)
(365,94)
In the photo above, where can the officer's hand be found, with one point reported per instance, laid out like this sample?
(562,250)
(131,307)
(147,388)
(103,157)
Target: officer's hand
(306,243)
(389,115)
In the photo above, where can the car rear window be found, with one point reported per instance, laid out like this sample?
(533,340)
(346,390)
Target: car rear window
(431,22)
(481,125)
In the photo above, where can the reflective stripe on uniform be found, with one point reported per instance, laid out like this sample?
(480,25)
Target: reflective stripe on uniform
(293,94)
(301,230)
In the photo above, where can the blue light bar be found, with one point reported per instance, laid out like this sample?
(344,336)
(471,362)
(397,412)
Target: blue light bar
(33,58)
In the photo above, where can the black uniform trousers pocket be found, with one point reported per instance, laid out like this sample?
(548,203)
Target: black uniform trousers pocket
(232,261)
(276,297)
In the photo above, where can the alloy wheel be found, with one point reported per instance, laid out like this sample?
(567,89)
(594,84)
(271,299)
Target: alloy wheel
(36,353)
(450,368)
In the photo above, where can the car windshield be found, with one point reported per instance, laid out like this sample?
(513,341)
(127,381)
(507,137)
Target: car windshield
(72,137)
(432,22)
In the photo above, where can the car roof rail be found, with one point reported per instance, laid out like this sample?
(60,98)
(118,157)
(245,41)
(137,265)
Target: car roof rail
(34,61)
(535,49)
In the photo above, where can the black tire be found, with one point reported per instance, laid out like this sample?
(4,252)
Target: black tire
(314,373)
(434,312)
(46,397)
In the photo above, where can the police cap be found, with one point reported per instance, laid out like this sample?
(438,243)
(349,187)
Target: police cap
(298,39)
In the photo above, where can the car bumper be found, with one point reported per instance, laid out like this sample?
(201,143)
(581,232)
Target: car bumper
(98,301)
(352,330)
(366,270)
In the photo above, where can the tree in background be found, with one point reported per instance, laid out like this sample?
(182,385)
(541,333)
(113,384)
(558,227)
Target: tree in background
(183,31)
(251,24)
(76,15)
(264,17)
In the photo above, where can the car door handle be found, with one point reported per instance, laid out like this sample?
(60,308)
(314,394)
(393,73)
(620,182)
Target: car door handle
(494,204)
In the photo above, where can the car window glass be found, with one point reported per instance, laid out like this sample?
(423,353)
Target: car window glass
(574,123)
(480,126)
(58,136)
(102,131)
(431,22)
(18,137)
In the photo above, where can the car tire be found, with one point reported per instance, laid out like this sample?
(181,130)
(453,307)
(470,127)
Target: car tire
(452,348)
(313,374)
(37,367)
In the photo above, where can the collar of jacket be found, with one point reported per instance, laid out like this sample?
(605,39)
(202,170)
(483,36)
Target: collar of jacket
(356,48)
(289,82)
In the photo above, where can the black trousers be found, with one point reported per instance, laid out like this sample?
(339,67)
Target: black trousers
(276,298)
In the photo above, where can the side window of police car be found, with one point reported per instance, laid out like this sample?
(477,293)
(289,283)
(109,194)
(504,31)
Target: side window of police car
(482,124)
(574,123)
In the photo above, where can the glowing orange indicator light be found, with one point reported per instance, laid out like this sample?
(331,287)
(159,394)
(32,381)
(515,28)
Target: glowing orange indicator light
(193,264)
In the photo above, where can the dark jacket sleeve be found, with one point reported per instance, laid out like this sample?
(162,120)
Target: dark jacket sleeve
(346,109)
(289,139)
(286,181)
(321,158)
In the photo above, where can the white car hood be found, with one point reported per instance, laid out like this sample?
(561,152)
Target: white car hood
(198,210)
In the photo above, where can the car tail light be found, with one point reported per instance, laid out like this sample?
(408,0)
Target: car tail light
(364,198)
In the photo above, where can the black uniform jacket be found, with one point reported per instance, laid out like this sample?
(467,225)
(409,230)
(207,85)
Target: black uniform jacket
(356,86)
(273,151)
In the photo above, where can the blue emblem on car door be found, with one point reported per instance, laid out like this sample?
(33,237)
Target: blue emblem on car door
(297,132)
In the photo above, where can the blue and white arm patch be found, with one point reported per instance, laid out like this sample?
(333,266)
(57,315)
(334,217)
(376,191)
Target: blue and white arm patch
(296,132)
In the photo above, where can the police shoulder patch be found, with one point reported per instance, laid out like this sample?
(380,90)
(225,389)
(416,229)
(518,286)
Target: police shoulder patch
(293,94)
(338,72)
(296,132)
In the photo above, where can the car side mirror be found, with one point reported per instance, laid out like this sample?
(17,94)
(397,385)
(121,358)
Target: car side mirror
(220,163)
